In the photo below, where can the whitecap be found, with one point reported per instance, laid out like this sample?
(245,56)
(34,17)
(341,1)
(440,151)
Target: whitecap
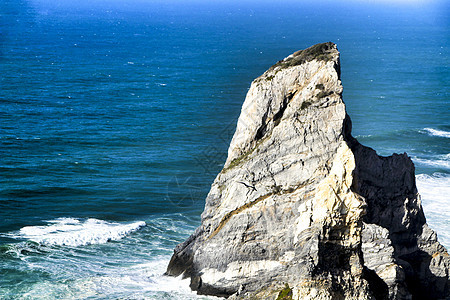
(75,232)
(435,190)
(442,161)
(361,136)
(435,132)
(138,281)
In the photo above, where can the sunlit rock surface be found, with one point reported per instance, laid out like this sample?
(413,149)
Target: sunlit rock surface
(301,210)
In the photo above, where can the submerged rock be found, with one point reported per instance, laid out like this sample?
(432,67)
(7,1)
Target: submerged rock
(301,210)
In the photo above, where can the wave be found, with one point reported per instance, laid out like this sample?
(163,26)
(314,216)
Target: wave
(363,136)
(442,161)
(436,132)
(75,232)
(434,190)
(19,250)
(135,281)
(130,269)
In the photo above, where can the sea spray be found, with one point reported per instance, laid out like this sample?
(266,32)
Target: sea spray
(75,232)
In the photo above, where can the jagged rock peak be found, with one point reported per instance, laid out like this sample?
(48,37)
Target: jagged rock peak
(301,210)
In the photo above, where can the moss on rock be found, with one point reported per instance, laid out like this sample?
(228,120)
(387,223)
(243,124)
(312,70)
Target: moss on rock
(285,294)
(318,52)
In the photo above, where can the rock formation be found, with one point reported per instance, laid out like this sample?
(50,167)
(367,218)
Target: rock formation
(301,210)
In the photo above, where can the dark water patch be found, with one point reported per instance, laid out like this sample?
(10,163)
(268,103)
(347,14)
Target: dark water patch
(48,191)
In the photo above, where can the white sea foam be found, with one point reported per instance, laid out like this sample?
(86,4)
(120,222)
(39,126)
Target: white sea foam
(130,269)
(151,279)
(435,192)
(435,132)
(363,136)
(141,281)
(442,161)
(74,232)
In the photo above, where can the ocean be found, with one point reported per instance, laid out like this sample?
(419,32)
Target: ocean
(116,117)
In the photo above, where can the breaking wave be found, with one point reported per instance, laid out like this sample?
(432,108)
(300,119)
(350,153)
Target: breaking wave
(442,161)
(434,190)
(435,132)
(75,232)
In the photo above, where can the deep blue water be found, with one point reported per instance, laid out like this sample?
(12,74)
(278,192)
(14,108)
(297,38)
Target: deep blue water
(116,117)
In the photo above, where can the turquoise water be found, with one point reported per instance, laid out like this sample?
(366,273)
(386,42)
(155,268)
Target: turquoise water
(116,117)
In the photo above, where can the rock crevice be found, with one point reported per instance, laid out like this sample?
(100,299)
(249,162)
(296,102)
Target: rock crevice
(302,208)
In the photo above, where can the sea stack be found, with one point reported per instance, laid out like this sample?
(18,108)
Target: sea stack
(302,210)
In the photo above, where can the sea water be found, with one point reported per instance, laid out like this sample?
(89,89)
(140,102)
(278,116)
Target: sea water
(116,117)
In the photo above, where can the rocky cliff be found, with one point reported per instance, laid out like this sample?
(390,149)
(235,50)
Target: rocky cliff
(301,210)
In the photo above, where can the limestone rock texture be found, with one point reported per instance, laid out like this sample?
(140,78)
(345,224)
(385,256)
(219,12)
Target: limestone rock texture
(301,210)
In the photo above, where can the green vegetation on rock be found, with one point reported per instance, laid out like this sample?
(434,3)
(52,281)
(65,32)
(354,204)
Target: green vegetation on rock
(237,161)
(319,52)
(285,294)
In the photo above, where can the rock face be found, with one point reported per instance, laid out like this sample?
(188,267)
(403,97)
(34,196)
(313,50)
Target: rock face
(301,210)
